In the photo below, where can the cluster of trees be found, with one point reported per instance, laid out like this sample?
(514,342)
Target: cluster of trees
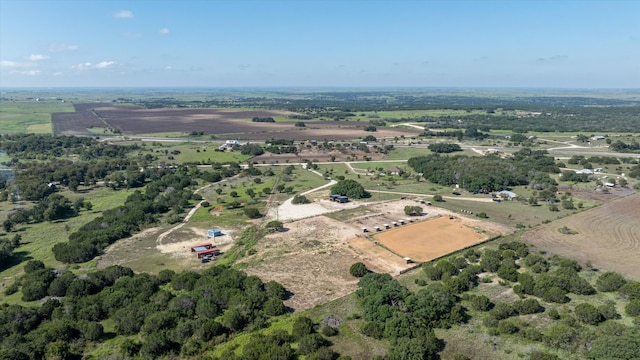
(53,207)
(621,146)
(536,278)
(251,149)
(471,133)
(41,147)
(444,148)
(350,188)
(404,318)
(583,160)
(263,119)
(6,250)
(172,313)
(412,210)
(275,149)
(278,345)
(488,173)
(169,193)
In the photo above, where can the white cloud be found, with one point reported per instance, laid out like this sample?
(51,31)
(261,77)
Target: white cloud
(168,67)
(38,57)
(62,47)
(104,64)
(29,72)
(12,64)
(91,66)
(164,31)
(58,73)
(123,14)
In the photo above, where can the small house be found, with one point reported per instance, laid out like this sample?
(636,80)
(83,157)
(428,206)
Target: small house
(506,194)
(598,137)
(394,170)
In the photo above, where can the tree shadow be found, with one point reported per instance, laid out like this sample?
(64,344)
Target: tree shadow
(17,258)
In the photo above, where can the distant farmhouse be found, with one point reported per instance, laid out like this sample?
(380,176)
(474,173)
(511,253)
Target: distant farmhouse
(394,170)
(507,195)
(598,137)
(229,144)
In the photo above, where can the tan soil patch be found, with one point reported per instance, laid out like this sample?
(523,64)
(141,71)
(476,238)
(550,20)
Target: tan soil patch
(430,239)
(608,236)
(378,256)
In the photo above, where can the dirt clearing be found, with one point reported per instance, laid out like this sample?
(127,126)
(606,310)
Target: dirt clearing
(430,239)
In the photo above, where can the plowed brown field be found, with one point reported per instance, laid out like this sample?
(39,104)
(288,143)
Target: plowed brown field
(608,236)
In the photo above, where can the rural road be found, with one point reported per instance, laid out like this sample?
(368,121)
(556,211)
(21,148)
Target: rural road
(289,211)
(191,212)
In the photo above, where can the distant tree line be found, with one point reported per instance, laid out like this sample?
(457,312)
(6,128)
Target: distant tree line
(263,119)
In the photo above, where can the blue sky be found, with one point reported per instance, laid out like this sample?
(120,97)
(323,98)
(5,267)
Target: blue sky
(518,43)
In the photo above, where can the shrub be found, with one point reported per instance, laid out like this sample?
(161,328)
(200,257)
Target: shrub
(438,198)
(358,269)
(507,327)
(610,281)
(527,306)
(608,311)
(300,199)
(480,303)
(588,314)
(372,329)
(633,308)
(502,310)
(631,290)
(252,213)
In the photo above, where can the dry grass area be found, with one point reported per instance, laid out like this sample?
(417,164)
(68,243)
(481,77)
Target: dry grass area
(608,236)
(312,258)
(143,253)
(431,239)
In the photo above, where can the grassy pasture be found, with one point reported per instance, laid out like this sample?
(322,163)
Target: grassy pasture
(39,239)
(30,116)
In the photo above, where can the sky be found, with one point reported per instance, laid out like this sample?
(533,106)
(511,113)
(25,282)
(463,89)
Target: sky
(312,43)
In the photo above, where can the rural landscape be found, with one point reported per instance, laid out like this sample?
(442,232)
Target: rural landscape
(405,223)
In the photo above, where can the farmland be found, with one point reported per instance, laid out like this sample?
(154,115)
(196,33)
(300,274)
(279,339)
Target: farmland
(474,240)
(608,236)
(222,123)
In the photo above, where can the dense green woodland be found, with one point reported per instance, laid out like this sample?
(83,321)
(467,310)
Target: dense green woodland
(489,173)
(180,314)
(187,314)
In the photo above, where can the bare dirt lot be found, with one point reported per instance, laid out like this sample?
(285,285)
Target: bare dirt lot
(431,239)
(224,123)
(608,236)
(312,258)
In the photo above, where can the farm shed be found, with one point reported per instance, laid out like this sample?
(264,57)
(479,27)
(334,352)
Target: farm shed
(506,194)
(203,253)
(201,247)
(214,232)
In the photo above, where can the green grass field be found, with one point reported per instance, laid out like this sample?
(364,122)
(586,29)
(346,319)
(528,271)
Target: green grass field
(30,116)
(38,239)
